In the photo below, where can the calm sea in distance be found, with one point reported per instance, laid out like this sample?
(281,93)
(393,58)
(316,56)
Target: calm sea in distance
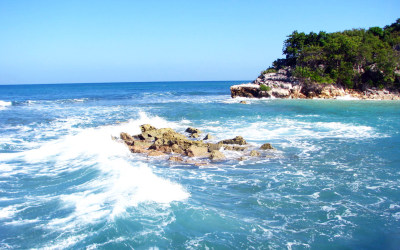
(333,181)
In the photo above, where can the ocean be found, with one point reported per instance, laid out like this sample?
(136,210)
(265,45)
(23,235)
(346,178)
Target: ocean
(333,181)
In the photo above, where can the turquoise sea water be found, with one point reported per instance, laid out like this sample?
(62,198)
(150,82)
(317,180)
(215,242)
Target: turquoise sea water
(332,183)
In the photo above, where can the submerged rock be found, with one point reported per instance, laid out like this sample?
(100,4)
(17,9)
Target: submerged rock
(196,151)
(175,159)
(254,153)
(191,130)
(237,140)
(196,163)
(140,150)
(126,137)
(194,135)
(146,127)
(242,158)
(208,137)
(217,155)
(142,144)
(266,146)
(155,153)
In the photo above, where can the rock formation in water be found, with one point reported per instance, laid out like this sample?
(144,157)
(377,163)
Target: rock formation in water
(167,142)
(282,85)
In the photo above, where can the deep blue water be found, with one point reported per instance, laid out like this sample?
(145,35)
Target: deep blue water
(332,183)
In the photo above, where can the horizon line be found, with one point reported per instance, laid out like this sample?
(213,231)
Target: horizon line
(14,84)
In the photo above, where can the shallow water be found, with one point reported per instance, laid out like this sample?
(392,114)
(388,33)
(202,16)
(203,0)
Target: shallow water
(333,182)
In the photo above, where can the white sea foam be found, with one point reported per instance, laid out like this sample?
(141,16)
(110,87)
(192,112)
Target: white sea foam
(296,244)
(247,100)
(21,222)
(4,104)
(8,212)
(347,98)
(102,245)
(287,128)
(64,243)
(122,181)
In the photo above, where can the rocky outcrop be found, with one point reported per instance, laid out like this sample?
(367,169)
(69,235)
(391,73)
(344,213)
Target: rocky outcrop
(194,132)
(254,153)
(208,137)
(282,85)
(167,142)
(217,155)
(237,140)
(266,146)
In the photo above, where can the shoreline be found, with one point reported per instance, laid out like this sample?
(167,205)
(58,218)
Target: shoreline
(280,85)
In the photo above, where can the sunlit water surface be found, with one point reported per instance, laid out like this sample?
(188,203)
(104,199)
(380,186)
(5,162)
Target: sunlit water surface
(333,182)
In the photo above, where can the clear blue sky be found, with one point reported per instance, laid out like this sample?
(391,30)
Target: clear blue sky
(122,41)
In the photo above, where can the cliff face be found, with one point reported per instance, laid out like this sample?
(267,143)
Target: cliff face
(282,85)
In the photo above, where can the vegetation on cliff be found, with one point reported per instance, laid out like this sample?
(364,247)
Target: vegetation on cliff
(355,59)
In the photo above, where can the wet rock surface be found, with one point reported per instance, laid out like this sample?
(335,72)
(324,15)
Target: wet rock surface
(180,149)
(266,146)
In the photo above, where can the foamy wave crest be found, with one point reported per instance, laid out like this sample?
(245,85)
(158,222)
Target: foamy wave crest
(347,98)
(248,100)
(4,104)
(120,182)
(288,128)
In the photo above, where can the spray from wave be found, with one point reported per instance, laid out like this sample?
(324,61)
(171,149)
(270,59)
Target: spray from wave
(4,104)
(100,179)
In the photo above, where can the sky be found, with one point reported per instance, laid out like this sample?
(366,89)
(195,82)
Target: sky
(76,41)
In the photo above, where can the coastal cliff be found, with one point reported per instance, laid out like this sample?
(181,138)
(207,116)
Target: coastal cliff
(357,63)
(281,84)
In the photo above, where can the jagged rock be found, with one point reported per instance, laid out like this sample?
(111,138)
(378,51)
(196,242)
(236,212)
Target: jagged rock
(165,141)
(266,146)
(245,90)
(242,158)
(235,148)
(155,153)
(195,151)
(177,149)
(254,153)
(126,137)
(280,93)
(139,150)
(196,163)
(227,147)
(161,142)
(331,91)
(217,155)
(191,130)
(146,127)
(165,149)
(243,102)
(142,144)
(213,146)
(175,159)
(208,137)
(237,140)
(194,135)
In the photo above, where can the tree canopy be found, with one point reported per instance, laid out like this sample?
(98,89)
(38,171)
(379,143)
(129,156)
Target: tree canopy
(356,58)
